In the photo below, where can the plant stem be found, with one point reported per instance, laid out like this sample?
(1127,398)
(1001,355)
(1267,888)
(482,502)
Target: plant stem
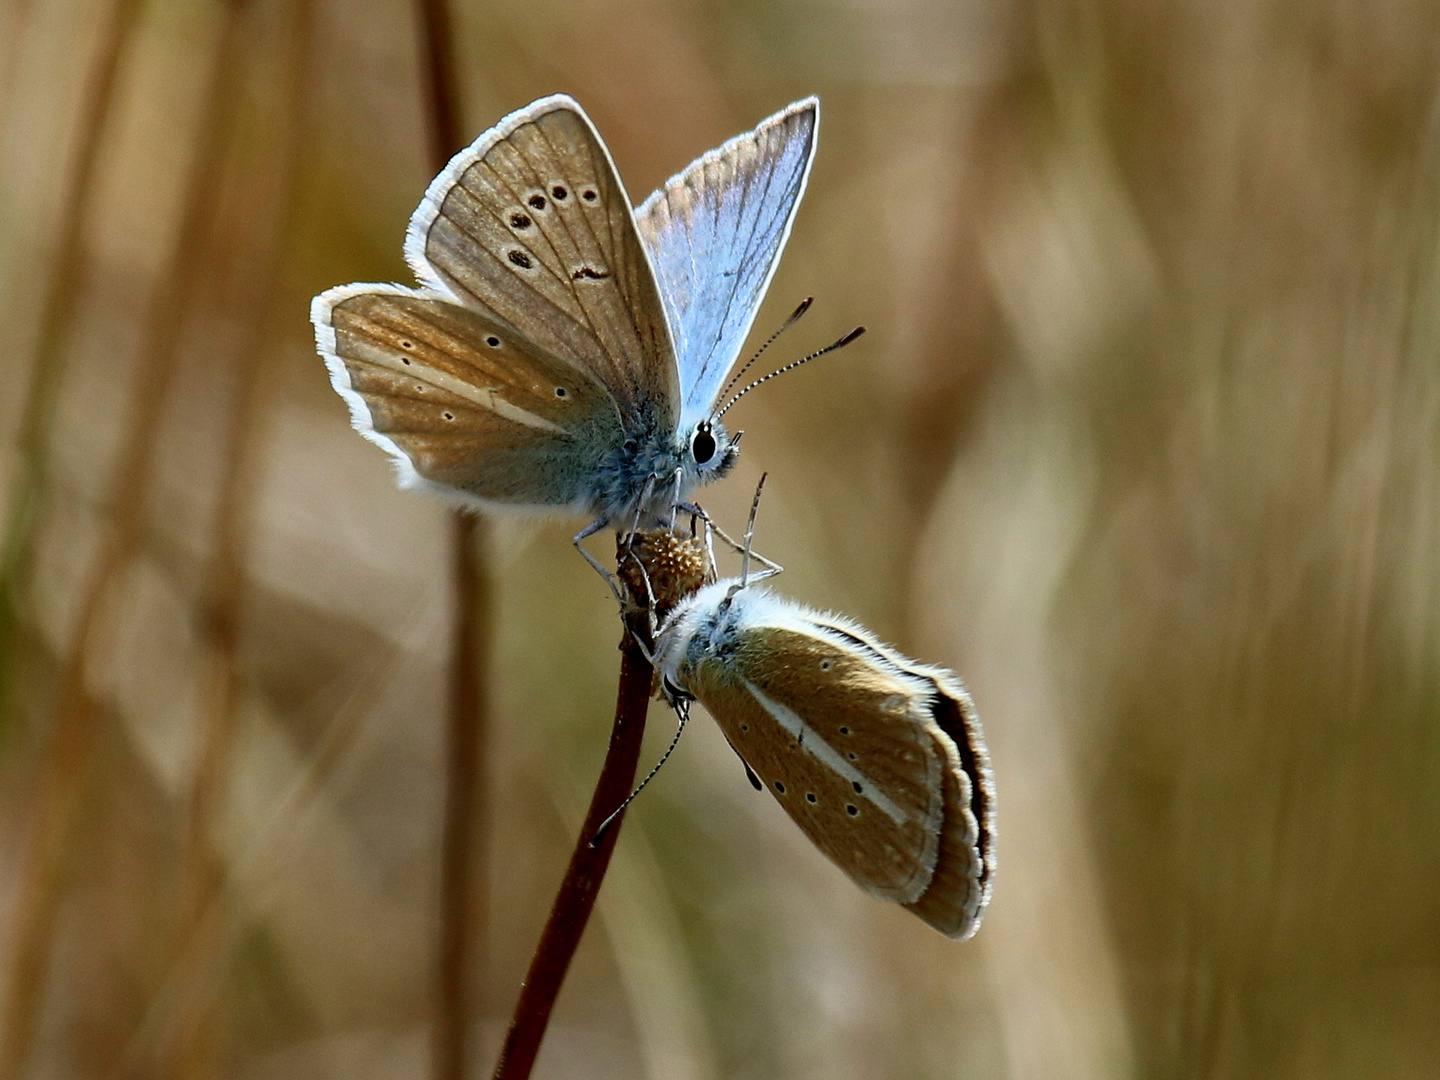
(463,846)
(576,898)
(67,758)
(463,843)
(26,502)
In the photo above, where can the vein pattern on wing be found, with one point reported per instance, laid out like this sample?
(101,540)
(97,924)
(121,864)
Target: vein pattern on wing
(510,227)
(809,740)
(715,234)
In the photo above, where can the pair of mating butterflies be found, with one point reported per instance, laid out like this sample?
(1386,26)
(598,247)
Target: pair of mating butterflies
(565,352)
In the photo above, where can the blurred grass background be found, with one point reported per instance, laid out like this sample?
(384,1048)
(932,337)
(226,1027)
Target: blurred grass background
(1144,441)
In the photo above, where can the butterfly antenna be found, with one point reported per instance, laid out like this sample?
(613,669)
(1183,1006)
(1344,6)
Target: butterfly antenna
(846,340)
(750,531)
(791,321)
(682,710)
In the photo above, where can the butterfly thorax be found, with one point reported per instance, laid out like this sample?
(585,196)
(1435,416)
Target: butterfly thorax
(652,469)
(691,628)
(701,636)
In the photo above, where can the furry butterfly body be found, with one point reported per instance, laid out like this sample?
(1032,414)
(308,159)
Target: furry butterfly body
(563,352)
(880,760)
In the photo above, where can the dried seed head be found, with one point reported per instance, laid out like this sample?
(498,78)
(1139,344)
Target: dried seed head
(673,566)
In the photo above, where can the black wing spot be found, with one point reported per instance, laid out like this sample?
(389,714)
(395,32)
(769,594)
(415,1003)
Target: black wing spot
(859,787)
(521,258)
(844,731)
(852,809)
(744,727)
(590,273)
(493,341)
(419,388)
(448,415)
(520,221)
(589,194)
(405,360)
(537,201)
(406,343)
(826,664)
(558,193)
(779,787)
(810,797)
(853,756)
(560,391)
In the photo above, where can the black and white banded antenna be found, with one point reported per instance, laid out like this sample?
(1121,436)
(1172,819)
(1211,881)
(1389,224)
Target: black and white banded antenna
(682,711)
(791,321)
(846,340)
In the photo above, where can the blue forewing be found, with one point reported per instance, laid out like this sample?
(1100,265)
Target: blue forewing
(715,233)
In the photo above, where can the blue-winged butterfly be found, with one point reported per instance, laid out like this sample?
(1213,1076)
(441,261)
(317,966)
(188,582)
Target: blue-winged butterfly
(564,352)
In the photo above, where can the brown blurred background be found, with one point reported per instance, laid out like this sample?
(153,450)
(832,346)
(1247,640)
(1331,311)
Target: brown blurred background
(1144,441)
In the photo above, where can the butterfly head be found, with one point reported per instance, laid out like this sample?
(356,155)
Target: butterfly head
(705,626)
(651,471)
(711,452)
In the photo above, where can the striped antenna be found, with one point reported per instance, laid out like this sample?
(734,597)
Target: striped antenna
(791,321)
(846,340)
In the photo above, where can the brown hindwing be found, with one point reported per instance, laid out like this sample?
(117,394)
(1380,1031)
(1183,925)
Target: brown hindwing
(964,873)
(847,750)
(468,404)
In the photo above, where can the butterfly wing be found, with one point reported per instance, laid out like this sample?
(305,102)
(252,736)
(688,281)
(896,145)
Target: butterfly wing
(531,226)
(840,745)
(463,405)
(715,233)
(957,895)
(959,891)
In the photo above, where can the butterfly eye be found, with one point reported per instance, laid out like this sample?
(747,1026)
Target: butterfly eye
(703,446)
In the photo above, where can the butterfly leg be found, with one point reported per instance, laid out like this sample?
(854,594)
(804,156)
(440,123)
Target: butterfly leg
(711,567)
(649,597)
(675,499)
(771,566)
(579,541)
(643,502)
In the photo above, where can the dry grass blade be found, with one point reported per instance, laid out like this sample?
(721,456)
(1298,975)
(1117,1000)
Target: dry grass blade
(205,927)
(464,848)
(77,719)
(24,506)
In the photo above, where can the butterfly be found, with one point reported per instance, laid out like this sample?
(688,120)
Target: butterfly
(879,759)
(564,352)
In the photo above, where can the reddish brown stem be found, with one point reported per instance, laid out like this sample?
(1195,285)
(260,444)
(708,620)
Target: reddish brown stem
(463,859)
(576,898)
